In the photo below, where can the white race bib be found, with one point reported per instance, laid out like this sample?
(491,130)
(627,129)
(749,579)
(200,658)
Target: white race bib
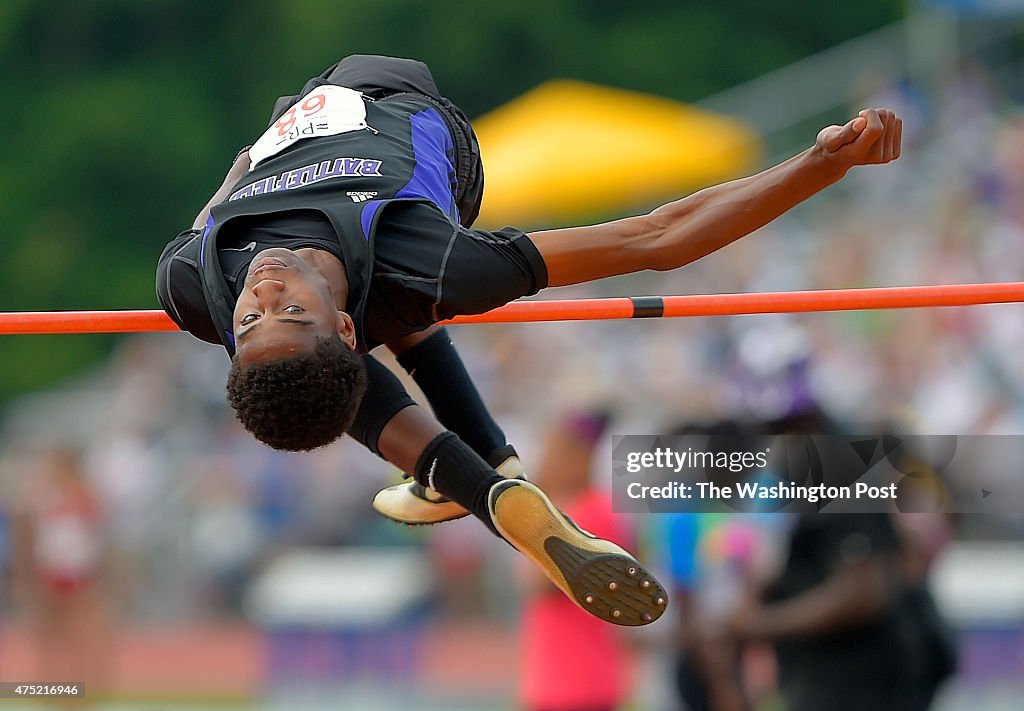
(326,111)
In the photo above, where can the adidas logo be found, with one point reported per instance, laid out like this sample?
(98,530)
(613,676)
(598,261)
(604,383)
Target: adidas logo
(361,195)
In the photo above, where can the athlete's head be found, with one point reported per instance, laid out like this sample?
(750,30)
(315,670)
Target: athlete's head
(295,380)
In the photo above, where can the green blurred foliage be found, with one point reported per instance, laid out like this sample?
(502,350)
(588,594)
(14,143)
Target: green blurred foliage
(121,116)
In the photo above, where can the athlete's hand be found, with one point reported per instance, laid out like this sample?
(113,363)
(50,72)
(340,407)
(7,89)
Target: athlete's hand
(242,162)
(873,137)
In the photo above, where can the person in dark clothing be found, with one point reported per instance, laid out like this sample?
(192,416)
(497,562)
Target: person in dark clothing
(849,630)
(832,615)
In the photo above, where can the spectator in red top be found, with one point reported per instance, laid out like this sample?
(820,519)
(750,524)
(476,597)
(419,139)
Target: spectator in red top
(570,660)
(59,571)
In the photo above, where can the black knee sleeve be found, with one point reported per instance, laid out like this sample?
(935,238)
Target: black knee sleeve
(436,367)
(385,397)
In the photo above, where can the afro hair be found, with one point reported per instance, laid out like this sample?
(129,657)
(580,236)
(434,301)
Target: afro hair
(300,403)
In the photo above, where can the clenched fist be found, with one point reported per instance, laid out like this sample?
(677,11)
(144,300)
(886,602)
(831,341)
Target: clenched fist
(873,137)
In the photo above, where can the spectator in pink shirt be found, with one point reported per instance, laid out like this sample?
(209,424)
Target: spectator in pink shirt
(571,661)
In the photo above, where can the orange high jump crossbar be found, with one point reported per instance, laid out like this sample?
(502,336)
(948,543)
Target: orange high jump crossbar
(899,297)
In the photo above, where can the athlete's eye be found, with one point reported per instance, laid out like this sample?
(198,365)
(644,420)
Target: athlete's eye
(247,319)
(294,309)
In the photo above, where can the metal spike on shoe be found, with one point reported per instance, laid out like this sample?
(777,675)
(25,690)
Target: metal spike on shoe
(599,576)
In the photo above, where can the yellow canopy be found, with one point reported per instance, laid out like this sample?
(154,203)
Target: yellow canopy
(569,150)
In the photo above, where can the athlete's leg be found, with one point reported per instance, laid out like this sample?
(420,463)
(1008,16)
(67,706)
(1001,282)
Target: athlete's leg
(598,575)
(416,442)
(431,359)
(450,387)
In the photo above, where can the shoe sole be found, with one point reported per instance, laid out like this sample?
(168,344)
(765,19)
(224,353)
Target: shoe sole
(597,575)
(423,512)
(426,513)
(422,522)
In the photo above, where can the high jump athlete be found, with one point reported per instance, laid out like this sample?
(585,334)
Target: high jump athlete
(346,226)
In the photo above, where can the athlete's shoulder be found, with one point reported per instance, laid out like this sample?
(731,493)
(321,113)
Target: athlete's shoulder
(179,286)
(417,214)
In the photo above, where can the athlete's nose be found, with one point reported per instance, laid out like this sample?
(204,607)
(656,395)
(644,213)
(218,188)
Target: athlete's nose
(267,292)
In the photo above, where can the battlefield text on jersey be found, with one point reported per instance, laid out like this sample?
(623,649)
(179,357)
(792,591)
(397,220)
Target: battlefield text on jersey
(309,174)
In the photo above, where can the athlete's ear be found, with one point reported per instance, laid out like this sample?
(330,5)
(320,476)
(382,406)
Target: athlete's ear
(346,329)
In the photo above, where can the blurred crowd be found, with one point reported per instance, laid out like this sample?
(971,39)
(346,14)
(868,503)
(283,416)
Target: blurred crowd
(133,489)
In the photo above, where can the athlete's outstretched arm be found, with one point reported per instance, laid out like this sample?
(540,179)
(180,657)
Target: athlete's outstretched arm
(686,230)
(235,173)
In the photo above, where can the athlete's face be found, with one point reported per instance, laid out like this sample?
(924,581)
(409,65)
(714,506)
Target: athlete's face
(285,305)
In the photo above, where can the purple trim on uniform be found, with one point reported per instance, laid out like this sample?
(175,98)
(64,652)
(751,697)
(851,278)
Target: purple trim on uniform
(231,337)
(433,173)
(367,215)
(206,233)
